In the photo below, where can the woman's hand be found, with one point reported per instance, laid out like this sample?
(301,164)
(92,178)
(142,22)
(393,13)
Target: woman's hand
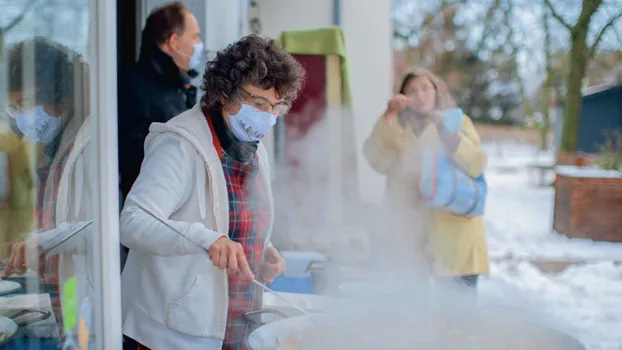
(229,255)
(450,140)
(272,266)
(395,105)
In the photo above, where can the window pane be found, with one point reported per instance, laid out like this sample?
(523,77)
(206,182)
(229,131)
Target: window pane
(47,183)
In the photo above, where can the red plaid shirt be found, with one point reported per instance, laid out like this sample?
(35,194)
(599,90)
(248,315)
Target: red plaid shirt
(249,217)
(248,224)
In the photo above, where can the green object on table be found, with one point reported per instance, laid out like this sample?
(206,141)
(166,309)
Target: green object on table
(70,303)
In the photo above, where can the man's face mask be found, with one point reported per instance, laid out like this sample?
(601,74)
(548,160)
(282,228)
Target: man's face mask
(195,58)
(37,125)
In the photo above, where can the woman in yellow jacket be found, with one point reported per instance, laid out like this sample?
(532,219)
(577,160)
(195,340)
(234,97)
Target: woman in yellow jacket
(412,123)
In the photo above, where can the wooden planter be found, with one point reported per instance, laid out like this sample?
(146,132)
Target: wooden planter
(586,159)
(588,204)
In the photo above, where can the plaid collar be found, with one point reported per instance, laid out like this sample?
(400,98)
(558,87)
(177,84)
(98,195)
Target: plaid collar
(243,152)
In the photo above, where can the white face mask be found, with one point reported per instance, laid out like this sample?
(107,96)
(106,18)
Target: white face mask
(37,125)
(251,124)
(197,54)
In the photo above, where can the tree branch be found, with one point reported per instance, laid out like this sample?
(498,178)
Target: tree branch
(19,18)
(600,34)
(487,26)
(556,15)
(427,21)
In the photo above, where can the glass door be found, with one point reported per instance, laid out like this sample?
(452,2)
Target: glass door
(58,177)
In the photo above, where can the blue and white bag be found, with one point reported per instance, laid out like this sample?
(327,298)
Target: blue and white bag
(445,186)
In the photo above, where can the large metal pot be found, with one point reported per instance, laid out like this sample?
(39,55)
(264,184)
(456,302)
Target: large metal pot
(395,323)
(381,313)
(485,336)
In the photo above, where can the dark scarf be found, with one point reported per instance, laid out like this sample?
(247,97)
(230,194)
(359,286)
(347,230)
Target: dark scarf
(240,151)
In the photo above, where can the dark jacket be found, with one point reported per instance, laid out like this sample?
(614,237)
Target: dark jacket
(154,90)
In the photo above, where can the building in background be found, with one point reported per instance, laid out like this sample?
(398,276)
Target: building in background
(601,121)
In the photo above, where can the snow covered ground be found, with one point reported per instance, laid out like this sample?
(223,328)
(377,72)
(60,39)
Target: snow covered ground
(586,298)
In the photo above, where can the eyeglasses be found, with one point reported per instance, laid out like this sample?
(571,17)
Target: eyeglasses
(262,104)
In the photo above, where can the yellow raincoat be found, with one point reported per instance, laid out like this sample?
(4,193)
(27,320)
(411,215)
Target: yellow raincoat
(457,243)
(17,202)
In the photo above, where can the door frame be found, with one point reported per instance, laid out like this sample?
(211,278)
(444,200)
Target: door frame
(105,248)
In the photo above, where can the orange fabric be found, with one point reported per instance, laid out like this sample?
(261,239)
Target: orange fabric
(215,139)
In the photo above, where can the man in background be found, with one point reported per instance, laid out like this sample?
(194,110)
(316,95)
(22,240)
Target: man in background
(158,87)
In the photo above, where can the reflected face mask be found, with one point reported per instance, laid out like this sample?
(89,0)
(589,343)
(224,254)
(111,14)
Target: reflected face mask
(37,125)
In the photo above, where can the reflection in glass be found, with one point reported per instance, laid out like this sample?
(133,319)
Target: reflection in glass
(46,193)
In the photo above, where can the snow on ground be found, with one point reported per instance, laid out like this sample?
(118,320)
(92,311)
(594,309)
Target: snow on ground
(585,299)
(592,171)
(519,215)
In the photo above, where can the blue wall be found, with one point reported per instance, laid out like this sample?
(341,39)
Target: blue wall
(602,112)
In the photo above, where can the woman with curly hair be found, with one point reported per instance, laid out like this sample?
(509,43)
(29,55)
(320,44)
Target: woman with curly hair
(206,174)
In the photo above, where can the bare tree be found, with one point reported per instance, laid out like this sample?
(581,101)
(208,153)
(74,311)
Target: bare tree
(548,83)
(515,49)
(580,54)
(14,22)
(405,30)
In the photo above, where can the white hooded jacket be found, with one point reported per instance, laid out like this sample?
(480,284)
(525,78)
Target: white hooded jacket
(173,295)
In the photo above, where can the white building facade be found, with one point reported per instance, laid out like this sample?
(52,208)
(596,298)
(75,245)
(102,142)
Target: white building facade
(367,28)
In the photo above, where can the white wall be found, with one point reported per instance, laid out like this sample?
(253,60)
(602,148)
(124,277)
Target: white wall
(367,28)
(224,23)
(280,15)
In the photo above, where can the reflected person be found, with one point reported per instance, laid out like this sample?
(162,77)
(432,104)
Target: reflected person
(53,112)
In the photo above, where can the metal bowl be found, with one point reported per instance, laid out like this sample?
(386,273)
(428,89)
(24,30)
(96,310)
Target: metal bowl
(8,329)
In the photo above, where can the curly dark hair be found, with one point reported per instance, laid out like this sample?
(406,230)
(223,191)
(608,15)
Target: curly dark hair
(251,60)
